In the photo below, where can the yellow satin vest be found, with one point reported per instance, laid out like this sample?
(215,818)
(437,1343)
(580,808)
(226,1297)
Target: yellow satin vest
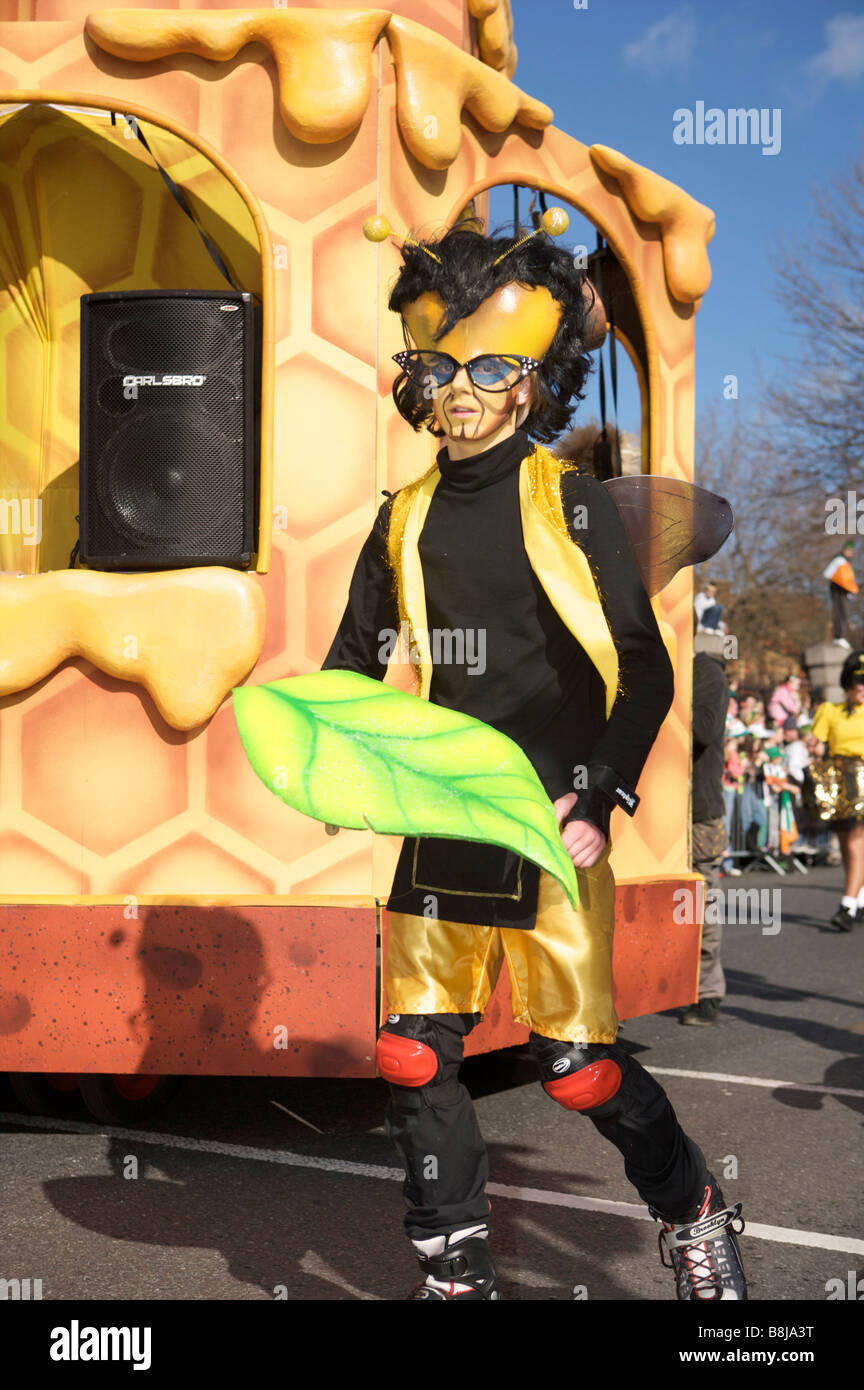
(559,563)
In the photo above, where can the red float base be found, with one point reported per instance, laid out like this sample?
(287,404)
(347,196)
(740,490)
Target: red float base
(257,991)
(217,991)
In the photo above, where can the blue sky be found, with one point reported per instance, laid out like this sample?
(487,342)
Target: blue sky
(615,72)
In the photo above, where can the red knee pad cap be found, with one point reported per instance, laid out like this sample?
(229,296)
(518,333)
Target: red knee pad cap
(405,1061)
(590,1086)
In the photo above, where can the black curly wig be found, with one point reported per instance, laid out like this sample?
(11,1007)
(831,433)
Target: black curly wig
(465,276)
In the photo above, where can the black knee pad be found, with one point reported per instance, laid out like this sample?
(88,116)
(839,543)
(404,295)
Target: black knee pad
(587,1077)
(420,1055)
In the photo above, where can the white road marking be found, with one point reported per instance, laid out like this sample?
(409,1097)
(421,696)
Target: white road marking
(214,1146)
(756,1081)
(784,1235)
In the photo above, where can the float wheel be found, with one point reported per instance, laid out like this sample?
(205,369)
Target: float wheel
(46,1093)
(119,1099)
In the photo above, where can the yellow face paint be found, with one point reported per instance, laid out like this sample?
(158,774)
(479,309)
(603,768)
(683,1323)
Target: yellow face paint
(516,318)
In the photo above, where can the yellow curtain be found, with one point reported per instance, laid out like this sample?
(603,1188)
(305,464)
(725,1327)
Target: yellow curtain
(83,208)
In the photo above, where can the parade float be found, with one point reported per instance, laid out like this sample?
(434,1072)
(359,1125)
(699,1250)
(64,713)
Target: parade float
(160,915)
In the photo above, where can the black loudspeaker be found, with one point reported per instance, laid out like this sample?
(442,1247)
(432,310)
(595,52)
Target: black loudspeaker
(170,429)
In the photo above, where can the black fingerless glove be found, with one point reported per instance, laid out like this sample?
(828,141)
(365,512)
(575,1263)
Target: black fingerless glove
(603,791)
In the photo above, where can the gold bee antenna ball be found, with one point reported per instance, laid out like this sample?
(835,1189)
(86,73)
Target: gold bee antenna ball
(554,222)
(376,228)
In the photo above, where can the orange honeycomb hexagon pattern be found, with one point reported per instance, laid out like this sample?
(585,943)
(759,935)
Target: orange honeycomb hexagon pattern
(82,770)
(97,795)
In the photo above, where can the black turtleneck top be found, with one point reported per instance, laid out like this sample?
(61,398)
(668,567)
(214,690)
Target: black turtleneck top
(503,653)
(522,671)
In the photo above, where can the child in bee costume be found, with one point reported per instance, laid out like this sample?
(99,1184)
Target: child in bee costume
(528,560)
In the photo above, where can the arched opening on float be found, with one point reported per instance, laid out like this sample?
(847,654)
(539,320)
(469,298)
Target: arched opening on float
(85,207)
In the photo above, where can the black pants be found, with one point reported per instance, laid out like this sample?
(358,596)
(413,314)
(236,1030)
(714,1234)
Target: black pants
(839,610)
(435,1130)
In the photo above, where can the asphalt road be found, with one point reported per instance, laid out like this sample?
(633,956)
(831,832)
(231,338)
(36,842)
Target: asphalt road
(262,1189)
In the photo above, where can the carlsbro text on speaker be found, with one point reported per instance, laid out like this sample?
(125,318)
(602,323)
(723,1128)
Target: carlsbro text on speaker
(170,429)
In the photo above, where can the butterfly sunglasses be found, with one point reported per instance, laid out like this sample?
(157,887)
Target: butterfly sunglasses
(490,372)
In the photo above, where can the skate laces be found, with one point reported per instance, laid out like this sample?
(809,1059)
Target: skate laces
(695,1261)
(698,1260)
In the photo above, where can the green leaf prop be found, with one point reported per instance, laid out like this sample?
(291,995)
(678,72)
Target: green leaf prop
(350,751)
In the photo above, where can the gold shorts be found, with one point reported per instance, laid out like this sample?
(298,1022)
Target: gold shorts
(560,973)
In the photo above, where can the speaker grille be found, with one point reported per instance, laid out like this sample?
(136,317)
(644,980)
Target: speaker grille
(168,331)
(166,464)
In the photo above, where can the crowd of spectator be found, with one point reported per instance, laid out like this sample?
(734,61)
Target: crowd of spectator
(769,745)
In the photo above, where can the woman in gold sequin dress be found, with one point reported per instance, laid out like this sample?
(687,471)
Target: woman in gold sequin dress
(840,787)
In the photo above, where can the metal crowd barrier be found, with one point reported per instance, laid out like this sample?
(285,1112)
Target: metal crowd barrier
(754,816)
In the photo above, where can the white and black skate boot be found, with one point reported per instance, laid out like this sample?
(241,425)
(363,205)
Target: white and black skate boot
(703,1251)
(456,1266)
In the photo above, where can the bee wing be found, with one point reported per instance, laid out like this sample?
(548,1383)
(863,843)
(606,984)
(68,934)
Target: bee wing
(670,524)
